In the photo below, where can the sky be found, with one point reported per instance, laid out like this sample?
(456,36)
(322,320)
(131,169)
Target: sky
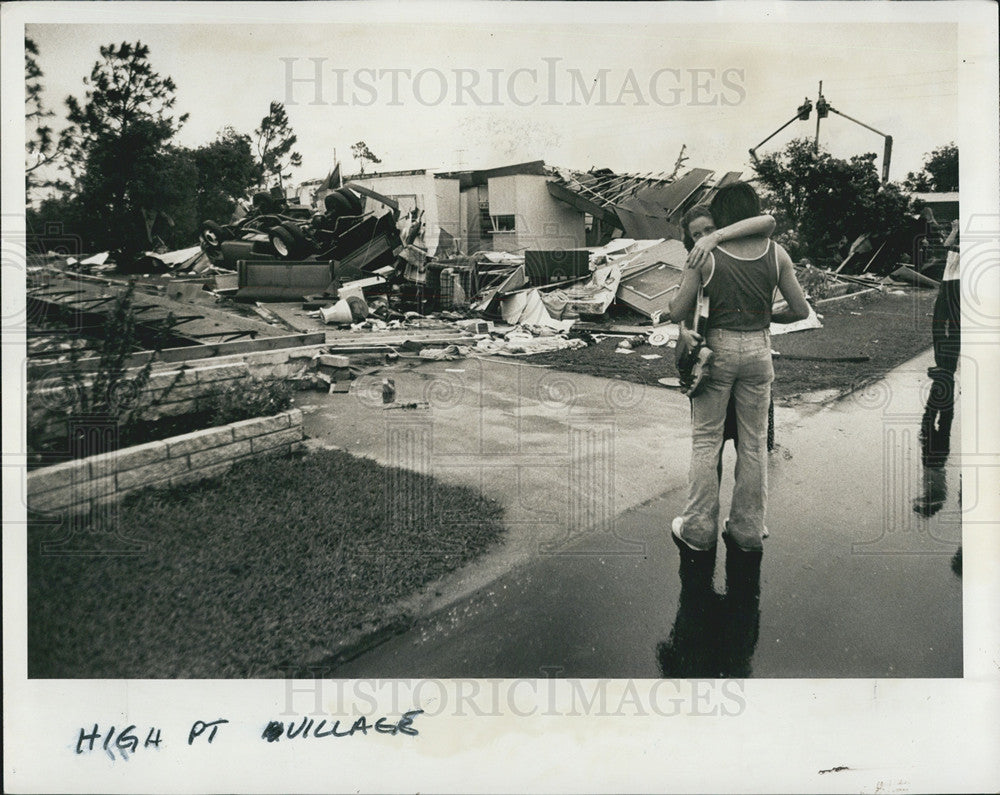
(449,95)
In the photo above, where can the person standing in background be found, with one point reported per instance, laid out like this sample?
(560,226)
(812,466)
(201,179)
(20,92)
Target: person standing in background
(939,412)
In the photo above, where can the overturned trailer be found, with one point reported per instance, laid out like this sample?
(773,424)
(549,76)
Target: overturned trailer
(282,257)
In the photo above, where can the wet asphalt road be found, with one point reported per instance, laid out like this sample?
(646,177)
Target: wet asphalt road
(852,583)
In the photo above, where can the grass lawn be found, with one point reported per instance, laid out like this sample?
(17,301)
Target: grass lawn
(268,567)
(890,329)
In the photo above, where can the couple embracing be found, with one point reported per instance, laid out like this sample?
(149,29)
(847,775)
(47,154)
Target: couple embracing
(737,267)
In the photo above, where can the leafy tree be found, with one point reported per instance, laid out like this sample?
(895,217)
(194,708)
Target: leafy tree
(173,220)
(827,202)
(42,146)
(363,154)
(227,170)
(123,164)
(273,145)
(61,216)
(918,182)
(940,171)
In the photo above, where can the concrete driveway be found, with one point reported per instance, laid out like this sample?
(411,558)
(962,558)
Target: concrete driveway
(853,583)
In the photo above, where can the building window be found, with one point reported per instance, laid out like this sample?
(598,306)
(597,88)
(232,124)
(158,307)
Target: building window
(503,223)
(485,225)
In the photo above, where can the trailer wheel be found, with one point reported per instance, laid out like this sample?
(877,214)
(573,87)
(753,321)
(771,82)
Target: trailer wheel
(212,235)
(354,201)
(289,241)
(337,204)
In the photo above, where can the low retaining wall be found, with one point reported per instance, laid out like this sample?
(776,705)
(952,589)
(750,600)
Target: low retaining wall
(173,389)
(77,486)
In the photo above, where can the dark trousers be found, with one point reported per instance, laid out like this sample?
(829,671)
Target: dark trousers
(946,326)
(935,427)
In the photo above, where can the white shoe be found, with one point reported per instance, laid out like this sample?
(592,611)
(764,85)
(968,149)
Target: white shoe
(675,530)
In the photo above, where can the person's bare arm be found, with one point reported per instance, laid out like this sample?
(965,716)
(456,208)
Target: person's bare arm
(950,240)
(682,304)
(791,291)
(758,226)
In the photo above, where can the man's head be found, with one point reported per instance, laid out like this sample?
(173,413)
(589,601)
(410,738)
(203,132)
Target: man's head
(733,203)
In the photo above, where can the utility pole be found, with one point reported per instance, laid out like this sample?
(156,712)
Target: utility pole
(822,111)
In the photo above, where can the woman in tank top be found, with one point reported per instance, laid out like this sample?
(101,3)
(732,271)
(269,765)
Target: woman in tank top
(739,279)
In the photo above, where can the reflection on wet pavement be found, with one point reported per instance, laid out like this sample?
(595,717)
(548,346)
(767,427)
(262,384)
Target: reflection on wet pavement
(714,635)
(935,446)
(935,441)
(852,583)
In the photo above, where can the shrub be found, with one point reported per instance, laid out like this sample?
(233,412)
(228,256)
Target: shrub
(246,398)
(816,282)
(101,390)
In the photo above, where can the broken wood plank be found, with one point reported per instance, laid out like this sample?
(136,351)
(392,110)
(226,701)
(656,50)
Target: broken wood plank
(372,194)
(387,343)
(908,275)
(618,329)
(207,351)
(272,318)
(582,203)
(875,289)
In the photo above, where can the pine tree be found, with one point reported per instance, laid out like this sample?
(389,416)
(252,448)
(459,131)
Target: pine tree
(121,158)
(362,153)
(273,144)
(42,146)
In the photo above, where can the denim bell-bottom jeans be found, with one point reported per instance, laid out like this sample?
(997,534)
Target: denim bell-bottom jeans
(742,366)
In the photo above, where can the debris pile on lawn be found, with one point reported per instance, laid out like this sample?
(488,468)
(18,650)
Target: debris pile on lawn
(361,242)
(365,274)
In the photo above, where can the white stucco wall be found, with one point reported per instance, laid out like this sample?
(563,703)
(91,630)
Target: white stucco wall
(541,222)
(449,207)
(438,198)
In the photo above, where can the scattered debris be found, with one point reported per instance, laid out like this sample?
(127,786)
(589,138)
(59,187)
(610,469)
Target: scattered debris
(368,283)
(333,360)
(97,259)
(810,322)
(908,275)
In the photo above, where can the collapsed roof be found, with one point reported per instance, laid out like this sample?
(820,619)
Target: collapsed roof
(643,206)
